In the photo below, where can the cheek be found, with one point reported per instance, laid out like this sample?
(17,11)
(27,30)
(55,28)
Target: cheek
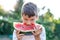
(28,22)
(24,21)
(32,21)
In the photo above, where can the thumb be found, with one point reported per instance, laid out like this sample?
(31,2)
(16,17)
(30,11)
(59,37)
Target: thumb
(17,31)
(33,32)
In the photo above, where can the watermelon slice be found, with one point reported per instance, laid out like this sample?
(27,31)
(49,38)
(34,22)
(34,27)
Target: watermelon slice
(23,27)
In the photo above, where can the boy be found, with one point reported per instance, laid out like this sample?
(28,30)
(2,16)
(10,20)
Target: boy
(29,15)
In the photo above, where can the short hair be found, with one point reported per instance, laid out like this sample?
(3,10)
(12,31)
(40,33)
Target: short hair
(29,9)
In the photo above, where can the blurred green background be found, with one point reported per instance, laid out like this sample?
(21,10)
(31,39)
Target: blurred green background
(7,18)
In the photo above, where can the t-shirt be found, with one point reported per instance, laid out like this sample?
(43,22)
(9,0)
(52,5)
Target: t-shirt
(31,37)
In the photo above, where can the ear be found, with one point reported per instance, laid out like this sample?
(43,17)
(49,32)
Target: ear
(21,18)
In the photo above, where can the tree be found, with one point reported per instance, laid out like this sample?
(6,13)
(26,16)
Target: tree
(1,11)
(47,21)
(48,16)
(18,7)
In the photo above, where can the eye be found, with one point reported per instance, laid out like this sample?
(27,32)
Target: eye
(26,19)
(32,19)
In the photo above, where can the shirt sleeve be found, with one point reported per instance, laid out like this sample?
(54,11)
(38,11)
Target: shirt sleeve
(43,34)
(14,35)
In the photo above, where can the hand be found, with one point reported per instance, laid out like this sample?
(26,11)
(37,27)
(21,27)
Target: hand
(37,34)
(19,36)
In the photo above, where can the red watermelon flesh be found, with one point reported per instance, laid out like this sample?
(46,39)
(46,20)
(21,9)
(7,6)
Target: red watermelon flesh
(24,27)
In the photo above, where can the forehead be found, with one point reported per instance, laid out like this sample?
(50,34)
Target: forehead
(27,17)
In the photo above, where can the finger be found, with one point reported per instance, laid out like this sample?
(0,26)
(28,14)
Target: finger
(21,34)
(39,29)
(33,32)
(17,31)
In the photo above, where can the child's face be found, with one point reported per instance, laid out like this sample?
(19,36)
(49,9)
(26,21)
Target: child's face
(28,20)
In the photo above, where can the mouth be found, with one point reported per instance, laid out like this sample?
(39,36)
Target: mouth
(28,24)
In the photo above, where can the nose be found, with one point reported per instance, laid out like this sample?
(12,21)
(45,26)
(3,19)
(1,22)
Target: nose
(28,23)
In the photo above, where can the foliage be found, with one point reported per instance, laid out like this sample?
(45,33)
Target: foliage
(6,24)
(18,7)
(51,25)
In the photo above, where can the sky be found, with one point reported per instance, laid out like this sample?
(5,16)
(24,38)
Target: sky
(53,5)
(8,4)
